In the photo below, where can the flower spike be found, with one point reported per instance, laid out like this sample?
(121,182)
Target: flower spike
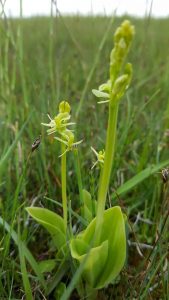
(59,124)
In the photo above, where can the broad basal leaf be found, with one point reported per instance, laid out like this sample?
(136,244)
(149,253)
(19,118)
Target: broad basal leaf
(95,259)
(104,269)
(52,222)
(113,230)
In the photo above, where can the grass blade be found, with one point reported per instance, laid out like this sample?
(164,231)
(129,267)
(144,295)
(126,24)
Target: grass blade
(97,57)
(58,276)
(135,180)
(12,146)
(25,278)
(26,252)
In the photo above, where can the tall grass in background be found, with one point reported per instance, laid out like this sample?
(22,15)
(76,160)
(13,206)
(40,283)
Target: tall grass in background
(47,59)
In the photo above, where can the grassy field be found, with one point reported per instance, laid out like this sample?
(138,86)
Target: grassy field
(44,61)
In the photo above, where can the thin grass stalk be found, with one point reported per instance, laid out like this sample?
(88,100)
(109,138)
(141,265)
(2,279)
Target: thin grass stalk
(63,179)
(25,278)
(79,176)
(6,63)
(15,202)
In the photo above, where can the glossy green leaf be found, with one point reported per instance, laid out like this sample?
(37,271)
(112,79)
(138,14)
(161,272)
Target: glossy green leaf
(112,236)
(52,222)
(113,230)
(95,260)
(78,247)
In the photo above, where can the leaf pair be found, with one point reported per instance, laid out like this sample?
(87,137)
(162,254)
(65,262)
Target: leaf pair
(105,261)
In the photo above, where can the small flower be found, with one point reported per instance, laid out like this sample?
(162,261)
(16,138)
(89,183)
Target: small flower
(103,92)
(59,125)
(100,157)
(60,122)
(68,139)
(51,124)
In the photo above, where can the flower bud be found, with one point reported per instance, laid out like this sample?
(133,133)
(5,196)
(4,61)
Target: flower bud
(121,84)
(64,107)
(125,31)
(122,41)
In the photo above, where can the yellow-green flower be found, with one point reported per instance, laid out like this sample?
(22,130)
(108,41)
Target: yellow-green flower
(100,157)
(59,125)
(68,139)
(59,122)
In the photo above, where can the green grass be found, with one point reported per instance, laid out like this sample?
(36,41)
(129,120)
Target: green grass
(43,61)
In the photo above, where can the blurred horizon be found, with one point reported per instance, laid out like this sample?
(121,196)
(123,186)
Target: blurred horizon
(31,8)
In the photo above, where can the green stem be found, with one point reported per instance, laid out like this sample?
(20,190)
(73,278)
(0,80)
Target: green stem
(79,176)
(63,179)
(106,171)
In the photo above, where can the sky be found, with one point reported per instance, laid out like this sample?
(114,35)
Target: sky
(160,8)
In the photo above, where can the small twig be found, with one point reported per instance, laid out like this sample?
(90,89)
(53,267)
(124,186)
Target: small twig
(139,218)
(141,245)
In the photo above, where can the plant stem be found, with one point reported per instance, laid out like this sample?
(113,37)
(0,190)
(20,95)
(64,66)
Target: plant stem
(63,179)
(79,176)
(106,171)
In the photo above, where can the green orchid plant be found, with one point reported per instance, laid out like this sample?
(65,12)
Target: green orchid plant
(100,248)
